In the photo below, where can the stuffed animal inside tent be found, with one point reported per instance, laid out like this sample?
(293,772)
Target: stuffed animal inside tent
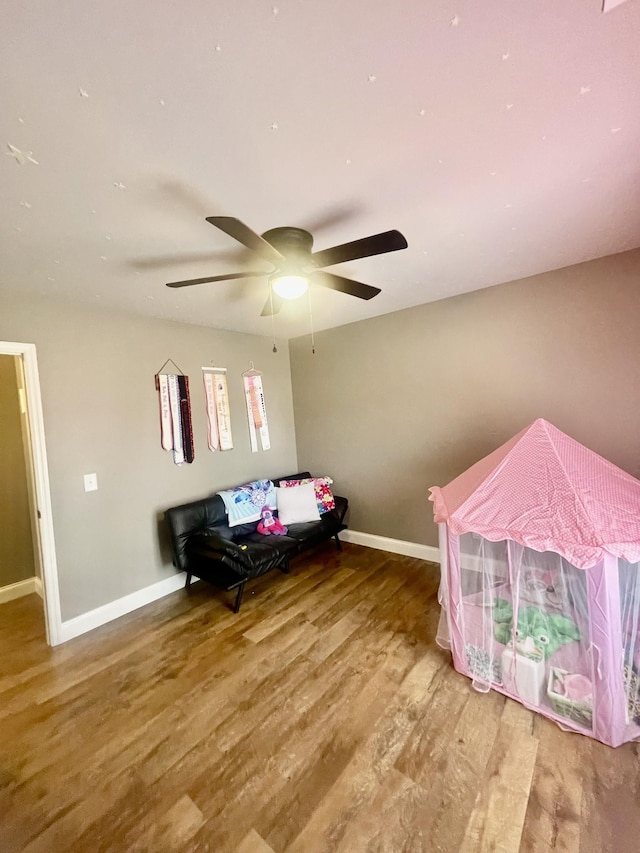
(548,631)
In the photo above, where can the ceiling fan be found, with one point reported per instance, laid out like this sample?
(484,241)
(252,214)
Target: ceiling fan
(295,266)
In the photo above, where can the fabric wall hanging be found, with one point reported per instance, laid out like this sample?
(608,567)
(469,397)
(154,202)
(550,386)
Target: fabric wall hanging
(176,431)
(256,409)
(217,406)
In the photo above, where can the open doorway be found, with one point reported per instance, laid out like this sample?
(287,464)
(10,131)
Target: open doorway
(27,549)
(20,569)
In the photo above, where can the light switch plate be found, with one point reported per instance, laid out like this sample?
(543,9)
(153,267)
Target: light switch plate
(90,482)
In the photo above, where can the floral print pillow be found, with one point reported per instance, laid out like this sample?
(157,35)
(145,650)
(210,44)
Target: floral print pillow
(321,485)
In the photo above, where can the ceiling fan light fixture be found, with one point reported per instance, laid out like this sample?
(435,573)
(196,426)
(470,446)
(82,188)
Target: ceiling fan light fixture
(295,266)
(289,286)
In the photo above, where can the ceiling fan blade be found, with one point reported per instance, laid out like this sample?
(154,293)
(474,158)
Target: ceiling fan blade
(344,285)
(243,234)
(206,280)
(156,262)
(376,244)
(272,305)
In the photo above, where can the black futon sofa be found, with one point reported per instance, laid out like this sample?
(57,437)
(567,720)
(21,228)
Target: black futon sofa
(205,547)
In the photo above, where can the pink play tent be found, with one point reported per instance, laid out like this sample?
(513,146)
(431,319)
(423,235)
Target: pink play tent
(540,584)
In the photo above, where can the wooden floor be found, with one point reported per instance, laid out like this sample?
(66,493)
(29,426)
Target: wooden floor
(322,717)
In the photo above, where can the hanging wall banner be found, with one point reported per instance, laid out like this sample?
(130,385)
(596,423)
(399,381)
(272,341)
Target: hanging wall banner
(166,430)
(176,432)
(176,420)
(185,419)
(217,405)
(256,412)
(210,405)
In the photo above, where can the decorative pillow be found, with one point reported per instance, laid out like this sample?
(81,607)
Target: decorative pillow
(244,503)
(297,504)
(324,495)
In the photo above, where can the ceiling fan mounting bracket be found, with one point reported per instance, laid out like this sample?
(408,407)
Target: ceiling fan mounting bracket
(290,241)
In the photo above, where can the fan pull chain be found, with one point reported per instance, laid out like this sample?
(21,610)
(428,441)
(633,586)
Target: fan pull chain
(313,342)
(273,321)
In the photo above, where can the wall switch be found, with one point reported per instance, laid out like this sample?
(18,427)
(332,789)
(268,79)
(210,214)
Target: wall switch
(90,482)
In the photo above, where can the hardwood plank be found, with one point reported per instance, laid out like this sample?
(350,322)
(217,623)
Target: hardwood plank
(273,622)
(78,809)
(497,820)
(452,783)
(283,744)
(164,829)
(314,777)
(356,786)
(176,761)
(553,820)
(252,843)
(380,825)
(609,817)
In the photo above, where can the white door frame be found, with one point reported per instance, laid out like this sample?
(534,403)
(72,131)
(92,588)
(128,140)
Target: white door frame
(44,523)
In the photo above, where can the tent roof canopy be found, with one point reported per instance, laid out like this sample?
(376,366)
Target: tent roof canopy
(547,491)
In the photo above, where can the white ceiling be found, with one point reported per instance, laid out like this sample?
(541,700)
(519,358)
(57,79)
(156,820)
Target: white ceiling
(501,138)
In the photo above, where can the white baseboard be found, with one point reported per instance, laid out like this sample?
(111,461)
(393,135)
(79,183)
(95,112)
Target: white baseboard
(395,546)
(101,615)
(17,590)
(38,587)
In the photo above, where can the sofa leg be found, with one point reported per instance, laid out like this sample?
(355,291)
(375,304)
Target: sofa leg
(236,606)
(338,543)
(284,567)
(188,580)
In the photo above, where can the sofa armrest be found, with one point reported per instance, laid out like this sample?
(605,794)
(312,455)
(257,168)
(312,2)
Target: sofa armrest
(342,505)
(210,545)
(189,519)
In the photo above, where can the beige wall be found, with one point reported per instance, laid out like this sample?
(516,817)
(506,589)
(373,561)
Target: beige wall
(393,405)
(16,548)
(101,415)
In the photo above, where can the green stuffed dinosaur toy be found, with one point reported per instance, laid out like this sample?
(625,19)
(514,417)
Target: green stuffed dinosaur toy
(548,631)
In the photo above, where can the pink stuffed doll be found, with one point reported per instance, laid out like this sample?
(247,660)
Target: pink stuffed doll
(269,524)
